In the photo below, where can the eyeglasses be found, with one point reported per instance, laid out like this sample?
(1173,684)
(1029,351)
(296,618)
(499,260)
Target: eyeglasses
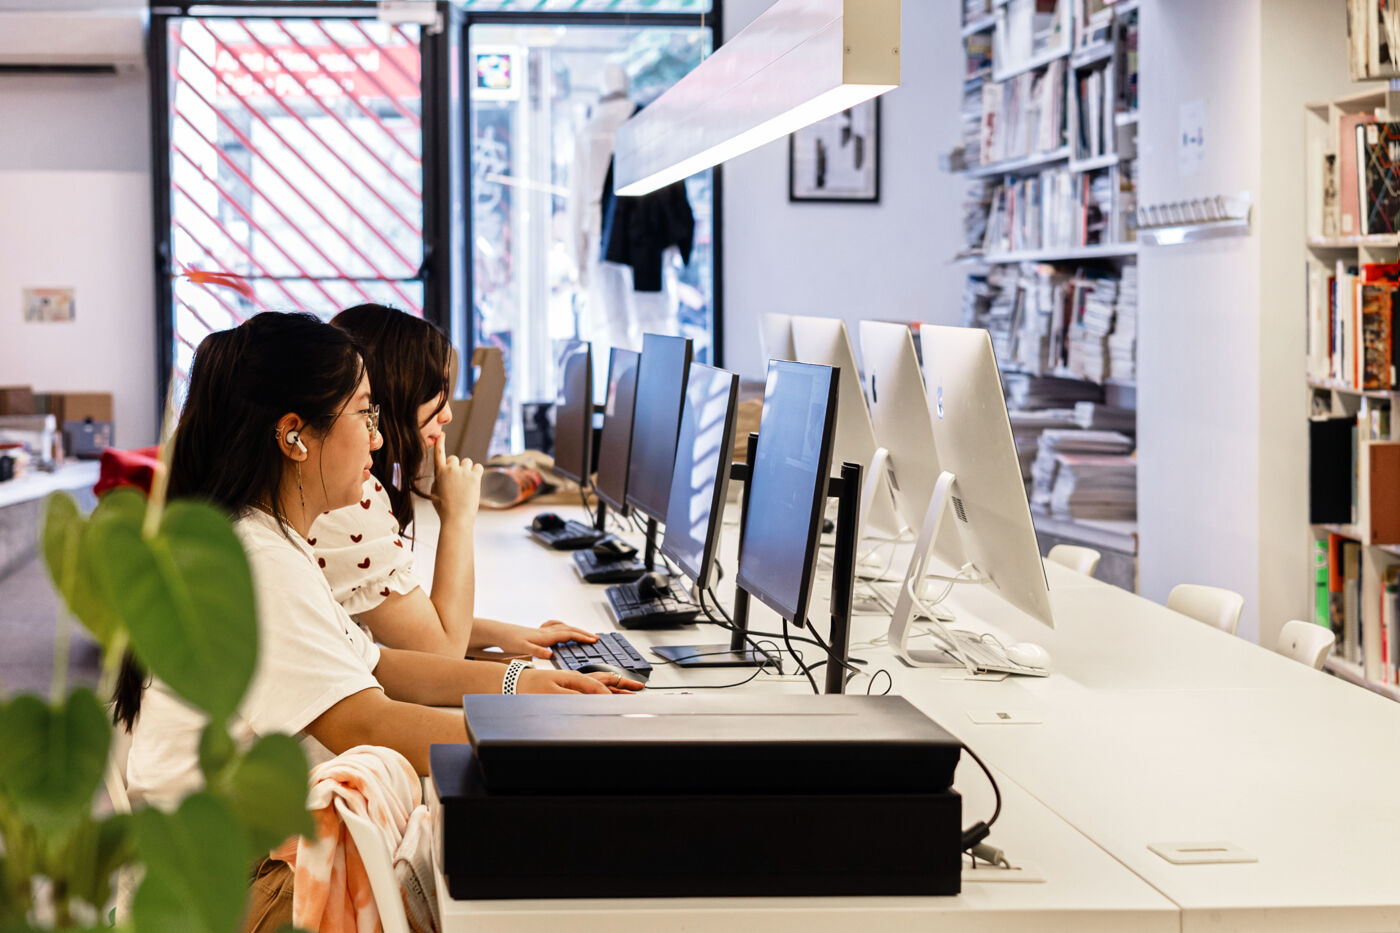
(371,419)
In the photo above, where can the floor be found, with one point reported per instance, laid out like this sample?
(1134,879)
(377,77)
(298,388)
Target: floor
(29,612)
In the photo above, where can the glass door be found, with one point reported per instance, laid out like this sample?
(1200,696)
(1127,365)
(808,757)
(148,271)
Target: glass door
(545,97)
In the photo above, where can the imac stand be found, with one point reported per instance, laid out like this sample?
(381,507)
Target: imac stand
(944,500)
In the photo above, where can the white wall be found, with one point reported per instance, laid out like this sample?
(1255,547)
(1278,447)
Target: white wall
(1222,487)
(857,261)
(92,231)
(75,209)
(1304,59)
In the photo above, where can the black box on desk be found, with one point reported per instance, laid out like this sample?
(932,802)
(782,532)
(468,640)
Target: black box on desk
(701,796)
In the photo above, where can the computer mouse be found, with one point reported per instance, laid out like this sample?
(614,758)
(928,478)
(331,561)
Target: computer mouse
(614,549)
(653,585)
(598,667)
(547,521)
(1029,654)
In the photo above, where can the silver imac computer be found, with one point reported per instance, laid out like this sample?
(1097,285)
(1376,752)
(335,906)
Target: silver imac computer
(978,500)
(775,336)
(899,410)
(824,341)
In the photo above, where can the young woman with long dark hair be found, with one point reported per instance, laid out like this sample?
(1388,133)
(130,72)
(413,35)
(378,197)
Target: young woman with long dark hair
(362,548)
(278,427)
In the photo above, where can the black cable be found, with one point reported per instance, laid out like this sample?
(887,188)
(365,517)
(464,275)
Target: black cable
(729,624)
(759,670)
(980,830)
(583,498)
(810,679)
(888,687)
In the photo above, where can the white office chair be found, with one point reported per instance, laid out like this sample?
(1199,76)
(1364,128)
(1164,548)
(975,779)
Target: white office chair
(379,866)
(1079,559)
(1306,642)
(1209,604)
(115,775)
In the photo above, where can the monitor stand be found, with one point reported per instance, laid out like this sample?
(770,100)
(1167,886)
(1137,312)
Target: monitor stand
(737,653)
(945,499)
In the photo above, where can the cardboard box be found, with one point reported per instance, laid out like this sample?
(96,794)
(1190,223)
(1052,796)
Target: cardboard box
(78,406)
(16,400)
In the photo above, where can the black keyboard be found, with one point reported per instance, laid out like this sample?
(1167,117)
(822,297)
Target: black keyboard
(595,569)
(571,537)
(610,648)
(631,611)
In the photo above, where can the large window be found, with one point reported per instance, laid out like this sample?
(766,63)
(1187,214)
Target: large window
(295,170)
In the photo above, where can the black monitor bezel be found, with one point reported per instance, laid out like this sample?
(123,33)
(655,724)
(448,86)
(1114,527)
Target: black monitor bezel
(658,515)
(797,614)
(606,437)
(586,442)
(701,574)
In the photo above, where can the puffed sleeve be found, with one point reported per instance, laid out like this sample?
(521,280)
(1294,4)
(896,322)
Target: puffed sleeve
(361,552)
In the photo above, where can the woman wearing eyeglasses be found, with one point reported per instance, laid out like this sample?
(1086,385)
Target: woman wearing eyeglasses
(278,428)
(362,548)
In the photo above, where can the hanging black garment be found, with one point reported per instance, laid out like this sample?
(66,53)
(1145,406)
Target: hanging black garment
(636,231)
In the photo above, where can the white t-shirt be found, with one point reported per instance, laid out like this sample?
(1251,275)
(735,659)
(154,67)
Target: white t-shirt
(361,552)
(311,656)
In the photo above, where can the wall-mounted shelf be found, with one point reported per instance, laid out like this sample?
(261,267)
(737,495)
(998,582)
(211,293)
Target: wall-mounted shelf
(1377,241)
(981,24)
(1191,221)
(1092,55)
(1032,63)
(1097,162)
(1028,163)
(1348,390)
(1106,251)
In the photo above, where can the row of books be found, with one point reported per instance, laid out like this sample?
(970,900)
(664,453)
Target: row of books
(1367,634)
(1360,186)
(1093,114)
(1352,333)
(1024,115)
(1080,474)
(1054,209)
(1354,472)
(1373,39)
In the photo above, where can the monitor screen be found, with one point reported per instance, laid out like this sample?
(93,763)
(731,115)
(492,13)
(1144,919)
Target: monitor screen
(661,378)
(615,445)
(573,418)
(700,477)
(787,487)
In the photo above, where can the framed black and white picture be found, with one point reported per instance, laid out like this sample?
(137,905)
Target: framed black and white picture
(837,159)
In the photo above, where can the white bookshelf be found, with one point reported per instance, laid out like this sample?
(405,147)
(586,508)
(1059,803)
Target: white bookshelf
(1325,246)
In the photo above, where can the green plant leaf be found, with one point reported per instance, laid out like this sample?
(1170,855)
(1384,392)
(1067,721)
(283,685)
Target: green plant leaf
(65,547)
(216,750)
(196,868)
(53,758)
(267,789)
(186,596)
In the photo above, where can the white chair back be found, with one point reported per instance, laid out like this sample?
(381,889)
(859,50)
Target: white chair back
(1079,559)
(1306,642)
(115,775)
(1209,604)
(379,865)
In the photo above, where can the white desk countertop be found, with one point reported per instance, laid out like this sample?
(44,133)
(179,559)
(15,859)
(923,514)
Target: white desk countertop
(1154,728)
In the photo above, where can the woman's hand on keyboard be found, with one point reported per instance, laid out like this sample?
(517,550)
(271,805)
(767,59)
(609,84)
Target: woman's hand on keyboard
(546,681)
(536,642)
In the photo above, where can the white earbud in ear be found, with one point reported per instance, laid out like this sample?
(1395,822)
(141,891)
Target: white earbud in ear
(294,438)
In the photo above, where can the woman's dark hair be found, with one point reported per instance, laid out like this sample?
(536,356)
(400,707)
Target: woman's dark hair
(407,360)
(225,451)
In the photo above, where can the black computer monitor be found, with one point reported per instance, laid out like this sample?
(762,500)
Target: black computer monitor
(573,417)
(661,377)
(615,443)
(700,475)
(788,487)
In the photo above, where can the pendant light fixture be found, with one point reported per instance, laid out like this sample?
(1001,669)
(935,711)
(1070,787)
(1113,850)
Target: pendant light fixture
(799,62)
